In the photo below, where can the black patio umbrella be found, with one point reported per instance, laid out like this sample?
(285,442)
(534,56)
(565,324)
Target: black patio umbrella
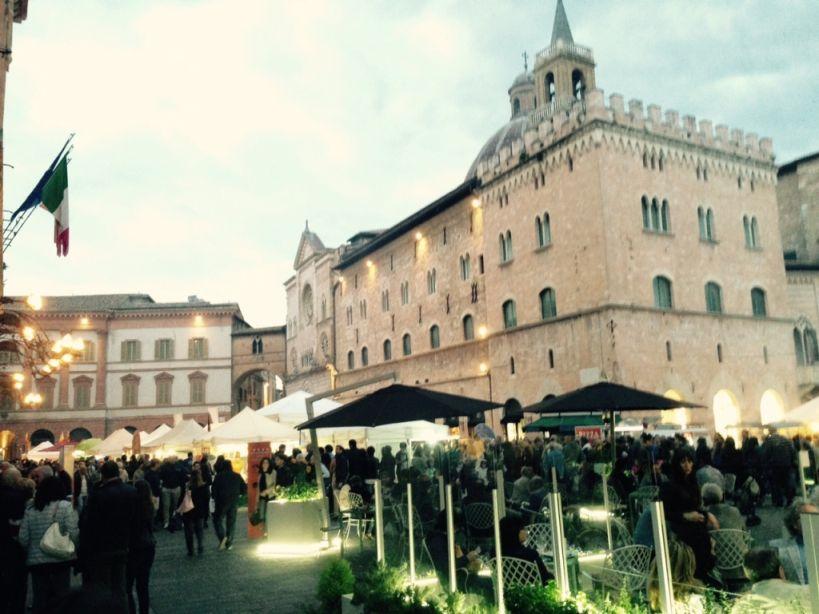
(399,403)
(606,397)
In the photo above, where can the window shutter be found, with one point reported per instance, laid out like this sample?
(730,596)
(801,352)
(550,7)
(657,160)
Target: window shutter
(190,349)
(171,350)
(122,347)
(205,341)
(157,349)
(138,350)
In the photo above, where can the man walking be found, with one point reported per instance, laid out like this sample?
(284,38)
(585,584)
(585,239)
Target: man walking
(106,529)
(172,479)
(227,486)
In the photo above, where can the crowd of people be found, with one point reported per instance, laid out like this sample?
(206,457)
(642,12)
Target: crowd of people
(106,516)
(109,510)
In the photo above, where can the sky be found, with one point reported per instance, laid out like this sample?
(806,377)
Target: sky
(208,131)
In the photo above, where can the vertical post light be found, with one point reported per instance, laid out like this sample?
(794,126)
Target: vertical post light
(606,505)
(411,531)
(501,485)
(498,555)
(441,495)
(810,533)
(379,522)
(661,552)
(559,544)
(450,540)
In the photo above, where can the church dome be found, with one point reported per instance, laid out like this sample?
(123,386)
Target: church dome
(524,79)
(504,137)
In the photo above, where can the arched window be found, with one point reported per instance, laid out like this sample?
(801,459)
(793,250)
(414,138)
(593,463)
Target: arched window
(465,266)
(653,161)
(431,281)
(799,347)
(550,87)
(663,297)
(506,246)
(548,303)
(665,217)
(754,232)
(645,159)
(469,328)
(365,357)
(516,106)
(547,229)
(539,232)
(79,434)
(811,346)
(509,251)
(434,337)
(41,435)
(646,213)
(350,360)
(746,227)
(709,225)
(701,222)
(655,214)
(578,85)
(661,162)
(406,344)
(713,297)
(758,303)
(387,349)
(510,318)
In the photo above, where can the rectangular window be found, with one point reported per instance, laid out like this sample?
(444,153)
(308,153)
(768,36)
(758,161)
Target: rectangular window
(130,394)
(197,390)
(198,348)
(163,349)
(82,396)
(88,354)
(163,391)
(130,351)
(444,237)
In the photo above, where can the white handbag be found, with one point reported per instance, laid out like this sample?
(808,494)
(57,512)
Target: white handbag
(54,543)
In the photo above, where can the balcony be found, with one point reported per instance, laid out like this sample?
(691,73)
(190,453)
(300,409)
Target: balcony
(562,48)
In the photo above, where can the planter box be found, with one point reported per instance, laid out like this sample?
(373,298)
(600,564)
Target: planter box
(294,522)
(347,606)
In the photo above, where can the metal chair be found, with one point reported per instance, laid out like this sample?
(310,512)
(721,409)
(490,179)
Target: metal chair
(597,495)
(479,520)
(730,546)
(418,533)
(516,572)
(640,499)
(539,537)
(353,516)
(626,568)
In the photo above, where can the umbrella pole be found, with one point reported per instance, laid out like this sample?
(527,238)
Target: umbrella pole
(410,517)
(450,540)
(613,439)
(325,512)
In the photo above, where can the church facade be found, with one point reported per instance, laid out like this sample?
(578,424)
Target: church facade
(590,239)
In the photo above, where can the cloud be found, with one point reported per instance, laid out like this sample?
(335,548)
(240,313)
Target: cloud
(208,131)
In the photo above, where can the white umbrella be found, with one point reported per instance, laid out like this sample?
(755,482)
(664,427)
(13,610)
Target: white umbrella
(292,409)
(807,412)
(247,426)
(36,453)
(182,435)
(155,434)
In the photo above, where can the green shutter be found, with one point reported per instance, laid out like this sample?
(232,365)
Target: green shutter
(205,341)
(158,349)
(190,349)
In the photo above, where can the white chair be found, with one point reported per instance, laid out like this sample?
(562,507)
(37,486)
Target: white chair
(516,572)
(539,537)
(625,568)
(479,520)
(353,516)
(730,546)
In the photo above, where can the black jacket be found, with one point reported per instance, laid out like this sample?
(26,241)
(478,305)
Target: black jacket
(358,463)
(201,500)
(109,520)
(153,479)
(171,476)
(227,486)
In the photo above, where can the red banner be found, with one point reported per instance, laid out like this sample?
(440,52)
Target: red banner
(592,433)
(255,453)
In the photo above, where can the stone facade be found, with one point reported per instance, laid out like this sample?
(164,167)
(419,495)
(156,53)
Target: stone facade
(258,366)
(145,363)
(561,200)
(798,198)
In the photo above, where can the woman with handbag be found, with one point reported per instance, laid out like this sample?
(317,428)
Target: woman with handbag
(141,550)
(266,490)
(49,533)
(194,510)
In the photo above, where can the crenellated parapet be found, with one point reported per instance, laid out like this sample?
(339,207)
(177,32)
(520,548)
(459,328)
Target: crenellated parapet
(698,140)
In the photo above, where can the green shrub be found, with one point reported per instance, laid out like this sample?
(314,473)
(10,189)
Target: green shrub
(298,491)
(537,600)
(336,579)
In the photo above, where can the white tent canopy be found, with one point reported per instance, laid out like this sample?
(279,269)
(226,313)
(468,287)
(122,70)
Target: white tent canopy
(807,412)
(247,426)
(36,453)
(387,434)
(155,434)
(114,444)
(292,409)
(182,436)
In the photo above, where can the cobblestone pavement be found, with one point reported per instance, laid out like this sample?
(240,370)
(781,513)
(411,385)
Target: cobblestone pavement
(233,581)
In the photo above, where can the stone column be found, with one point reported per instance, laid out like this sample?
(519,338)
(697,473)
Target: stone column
(102,368)
(62,402)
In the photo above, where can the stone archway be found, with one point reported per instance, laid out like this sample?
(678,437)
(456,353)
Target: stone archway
(79,434)
(726,411)
(41,435)
(680,416)
(771,407)
(252,388)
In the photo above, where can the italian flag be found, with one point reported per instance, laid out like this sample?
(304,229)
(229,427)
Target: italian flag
(55,200)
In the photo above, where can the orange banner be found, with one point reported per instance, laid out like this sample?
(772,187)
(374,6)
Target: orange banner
(255,453)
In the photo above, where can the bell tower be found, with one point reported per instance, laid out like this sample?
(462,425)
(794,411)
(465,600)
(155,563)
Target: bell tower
(564,71)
